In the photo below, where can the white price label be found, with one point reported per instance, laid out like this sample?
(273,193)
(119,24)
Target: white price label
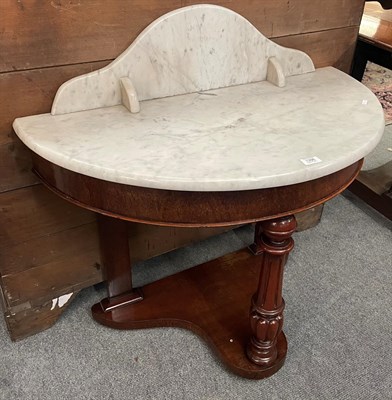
(310,160)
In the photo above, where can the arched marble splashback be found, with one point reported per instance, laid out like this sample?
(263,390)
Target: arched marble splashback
(188,50)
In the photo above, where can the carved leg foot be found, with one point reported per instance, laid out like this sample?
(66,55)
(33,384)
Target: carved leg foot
(273,243)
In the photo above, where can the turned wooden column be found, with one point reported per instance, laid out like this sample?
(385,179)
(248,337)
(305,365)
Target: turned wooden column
(273,242)
(115,257)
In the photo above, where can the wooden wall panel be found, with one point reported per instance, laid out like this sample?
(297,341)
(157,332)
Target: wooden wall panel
(58,32)
(32,92)
(35,212)
(275,18)
(52,250)
(15,164)
(49,281)
(66,257)
(68,261)
(335,47)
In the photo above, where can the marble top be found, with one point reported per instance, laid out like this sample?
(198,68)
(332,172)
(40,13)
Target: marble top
(202,101)
(249,136)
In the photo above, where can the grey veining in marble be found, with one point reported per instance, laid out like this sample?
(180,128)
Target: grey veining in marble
(240,137)
(191,49)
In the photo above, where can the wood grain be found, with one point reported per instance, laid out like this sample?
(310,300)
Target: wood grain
(42,268)
(309,218)
(273,242)
(15,166)
(53,247)
(377,9)
(275,18)
(34,212)
(29,319)
(39,34)
(216,309)
(376,29)
(334,47)
(375,45)
(53,251)
(38,228)
(49,281)
(48,33)
(32,92)
(382,203)
(378,179)
(204,209)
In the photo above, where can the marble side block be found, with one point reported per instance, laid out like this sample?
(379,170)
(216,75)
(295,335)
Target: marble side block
(275,74)
(189,50)
(129,96)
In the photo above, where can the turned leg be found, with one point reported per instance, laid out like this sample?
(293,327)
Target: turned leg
(273,243)
(113,240)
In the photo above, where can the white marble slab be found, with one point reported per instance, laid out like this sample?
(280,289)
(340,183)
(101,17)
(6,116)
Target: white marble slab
(189,50)
(242,137)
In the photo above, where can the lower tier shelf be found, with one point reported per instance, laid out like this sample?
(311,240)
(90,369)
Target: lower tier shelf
(212,300)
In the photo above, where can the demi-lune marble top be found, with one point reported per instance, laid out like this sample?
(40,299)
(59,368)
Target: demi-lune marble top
(215,106)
